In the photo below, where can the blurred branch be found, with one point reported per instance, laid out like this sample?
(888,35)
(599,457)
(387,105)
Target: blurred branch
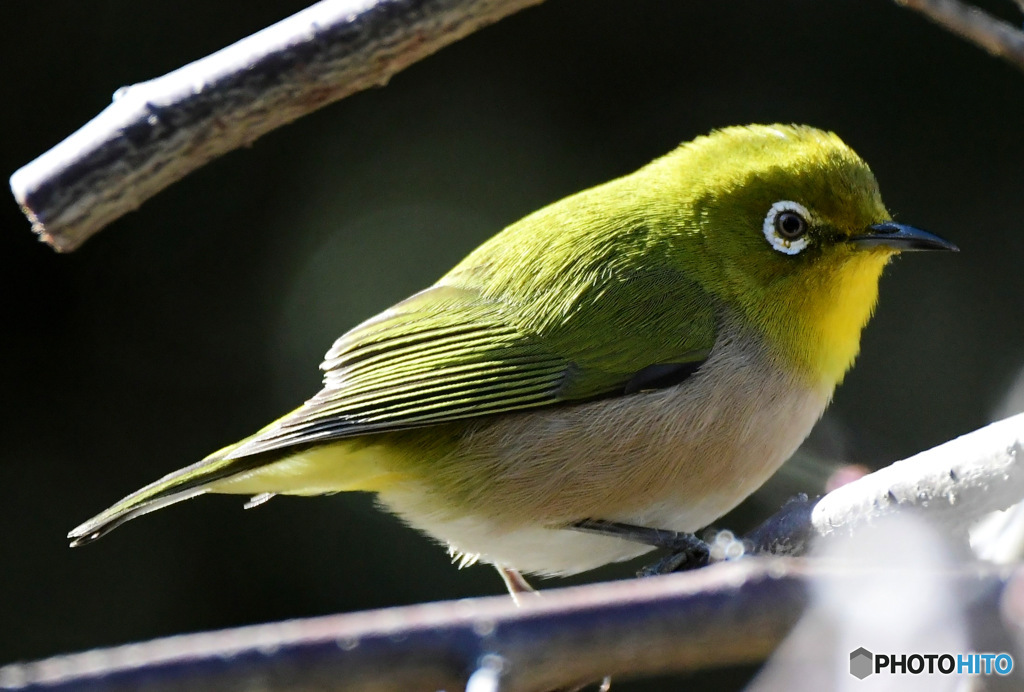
(999,38)
(729,613)
(156,132)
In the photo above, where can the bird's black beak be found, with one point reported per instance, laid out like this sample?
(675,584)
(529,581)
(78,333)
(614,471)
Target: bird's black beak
(901,238)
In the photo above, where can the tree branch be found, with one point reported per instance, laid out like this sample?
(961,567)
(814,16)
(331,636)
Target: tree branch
(726,614)
(156,132)
(999,38)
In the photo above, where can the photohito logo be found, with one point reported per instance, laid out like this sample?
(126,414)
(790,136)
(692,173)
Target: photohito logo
(864,663)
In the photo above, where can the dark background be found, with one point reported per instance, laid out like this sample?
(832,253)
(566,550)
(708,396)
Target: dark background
(202,316)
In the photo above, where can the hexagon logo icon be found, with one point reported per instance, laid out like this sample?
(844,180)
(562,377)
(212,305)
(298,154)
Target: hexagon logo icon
(861,663)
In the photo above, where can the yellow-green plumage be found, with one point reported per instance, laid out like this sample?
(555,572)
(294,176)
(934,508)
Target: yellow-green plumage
(642,351)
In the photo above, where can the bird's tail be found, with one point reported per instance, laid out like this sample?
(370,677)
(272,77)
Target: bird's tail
(250,467)
(181,485)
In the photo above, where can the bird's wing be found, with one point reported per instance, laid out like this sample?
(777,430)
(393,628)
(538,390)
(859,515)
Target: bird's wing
(452,353)
(448,353)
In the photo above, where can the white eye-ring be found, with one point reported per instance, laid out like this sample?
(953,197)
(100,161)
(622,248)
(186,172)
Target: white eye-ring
(786,225)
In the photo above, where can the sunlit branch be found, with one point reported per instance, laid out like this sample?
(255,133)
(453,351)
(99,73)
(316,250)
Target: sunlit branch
(156,132)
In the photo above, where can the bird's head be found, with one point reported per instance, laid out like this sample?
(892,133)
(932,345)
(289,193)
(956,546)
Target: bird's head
(787,225)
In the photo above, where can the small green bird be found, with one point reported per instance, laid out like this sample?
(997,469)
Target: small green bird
(648,351)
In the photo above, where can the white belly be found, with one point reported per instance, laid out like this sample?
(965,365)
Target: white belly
(675,459)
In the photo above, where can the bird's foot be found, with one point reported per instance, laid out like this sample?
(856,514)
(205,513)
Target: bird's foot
(687,551)
(787,532)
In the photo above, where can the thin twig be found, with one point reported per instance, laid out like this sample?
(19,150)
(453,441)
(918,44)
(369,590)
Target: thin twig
(156,132)
(999,38)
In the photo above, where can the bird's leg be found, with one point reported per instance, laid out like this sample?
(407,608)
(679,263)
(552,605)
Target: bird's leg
(515,583)
(688,551)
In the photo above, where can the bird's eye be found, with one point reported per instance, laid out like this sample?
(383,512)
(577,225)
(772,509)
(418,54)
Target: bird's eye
(790,225)
(785,227)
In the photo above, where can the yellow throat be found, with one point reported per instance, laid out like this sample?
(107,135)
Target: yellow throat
(819,331)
